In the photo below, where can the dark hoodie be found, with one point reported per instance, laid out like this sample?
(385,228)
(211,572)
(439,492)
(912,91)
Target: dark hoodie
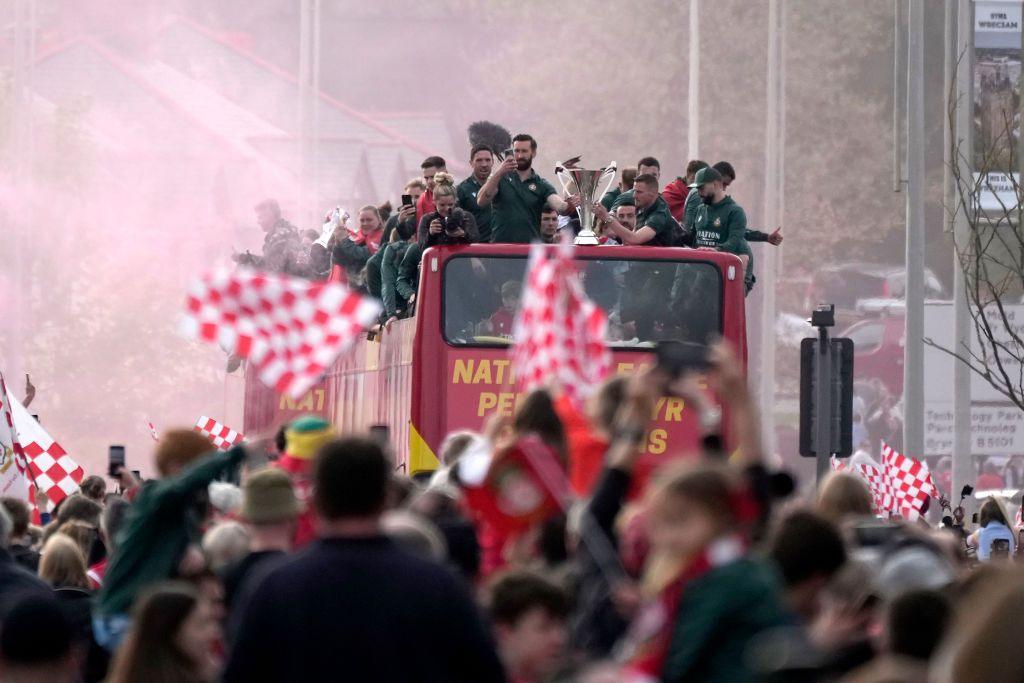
(458,217)
(723,226)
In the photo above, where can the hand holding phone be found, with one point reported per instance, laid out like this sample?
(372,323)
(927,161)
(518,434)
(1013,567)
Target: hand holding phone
(675,358)
(115,461)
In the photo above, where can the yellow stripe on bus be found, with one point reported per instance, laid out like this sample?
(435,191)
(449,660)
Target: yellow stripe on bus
(421,458)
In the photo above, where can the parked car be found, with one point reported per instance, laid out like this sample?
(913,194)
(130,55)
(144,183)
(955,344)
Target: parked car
(878,349)
(845,284)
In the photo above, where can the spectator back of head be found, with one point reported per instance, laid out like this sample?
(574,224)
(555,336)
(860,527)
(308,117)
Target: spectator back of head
(537,414)
(224,544)
(112,521)
(517,592)
(415,534)
(62,564)
(178,448)
(917,623)
(843,496)
(81,509)
(151,652)
(19,514)
(37,634)
(93,488)
(806,546)
(351,479)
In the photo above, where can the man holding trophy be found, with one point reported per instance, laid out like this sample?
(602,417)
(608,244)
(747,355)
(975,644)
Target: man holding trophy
(654,224)
(518,194)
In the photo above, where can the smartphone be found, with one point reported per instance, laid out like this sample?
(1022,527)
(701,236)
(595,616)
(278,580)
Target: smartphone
(507,154)
(381,434)
(407,200)
(115,460)
(675,358)
(871,534)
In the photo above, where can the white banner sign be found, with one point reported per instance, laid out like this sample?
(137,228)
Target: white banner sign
(998,193)
(12,481)
(995,430)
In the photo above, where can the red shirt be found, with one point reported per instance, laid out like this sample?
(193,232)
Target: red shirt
(300,470)
(96,574)
(675,194)
(586,449)
(501,323)
(424,205)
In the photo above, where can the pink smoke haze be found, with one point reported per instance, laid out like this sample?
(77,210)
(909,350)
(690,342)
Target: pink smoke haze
(131,195)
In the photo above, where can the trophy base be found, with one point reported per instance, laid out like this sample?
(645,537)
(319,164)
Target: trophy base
(586,238)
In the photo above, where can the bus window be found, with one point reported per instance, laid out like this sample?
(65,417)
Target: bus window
(646,301)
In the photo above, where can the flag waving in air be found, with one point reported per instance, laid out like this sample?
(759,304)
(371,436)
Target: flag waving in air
(222,436)
(559,333)
(290,329)
(50,468)
(900,486)
(910,480)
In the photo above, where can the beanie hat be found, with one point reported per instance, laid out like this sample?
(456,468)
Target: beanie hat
(306,435)
(269,497)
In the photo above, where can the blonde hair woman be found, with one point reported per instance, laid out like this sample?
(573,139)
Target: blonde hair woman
(62,564)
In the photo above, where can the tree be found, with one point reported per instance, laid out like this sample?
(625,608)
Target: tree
(990,253)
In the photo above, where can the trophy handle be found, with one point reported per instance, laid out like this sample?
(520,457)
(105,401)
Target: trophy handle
(564,179)
(609,171)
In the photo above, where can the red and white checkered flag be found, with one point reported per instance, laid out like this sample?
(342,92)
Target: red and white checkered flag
(222,436)
(50,468)
(900,486)
(881,488)
(559,333)
(290,329)
(910,480)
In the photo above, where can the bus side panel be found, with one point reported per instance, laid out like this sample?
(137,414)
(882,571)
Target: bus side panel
(372,387)
(429,424)
(371,384)
(266,410)
(396,374)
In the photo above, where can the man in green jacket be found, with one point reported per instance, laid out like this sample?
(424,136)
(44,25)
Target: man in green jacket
(163,527)
(625,184)
(720,614)
(481,158)
(646,166)
(518,194)
(396,304)
(720,223)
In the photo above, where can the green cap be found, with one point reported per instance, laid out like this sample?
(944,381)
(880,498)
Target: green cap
(705,175)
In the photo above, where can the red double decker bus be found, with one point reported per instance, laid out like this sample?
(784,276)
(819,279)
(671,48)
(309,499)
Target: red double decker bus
(448,368)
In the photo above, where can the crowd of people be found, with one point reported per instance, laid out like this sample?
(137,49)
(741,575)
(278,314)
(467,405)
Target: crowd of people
(312,556)
(313,559)
(504,200)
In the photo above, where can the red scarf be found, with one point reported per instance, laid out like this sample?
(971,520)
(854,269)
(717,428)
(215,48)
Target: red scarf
(372,241)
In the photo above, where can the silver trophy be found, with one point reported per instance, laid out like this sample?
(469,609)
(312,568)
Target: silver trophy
(586,182)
